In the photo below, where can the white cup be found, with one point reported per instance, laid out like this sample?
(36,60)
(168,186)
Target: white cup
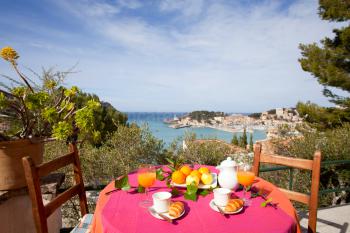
(221,196)
(161,201)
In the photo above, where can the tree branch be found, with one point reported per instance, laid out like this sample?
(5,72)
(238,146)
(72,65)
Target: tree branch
(69,113)
(22,76)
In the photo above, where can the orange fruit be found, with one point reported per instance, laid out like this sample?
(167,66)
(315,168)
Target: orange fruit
(186,170)
(207,178)
(192,178)
(203,170)
(178,177)
(196,173)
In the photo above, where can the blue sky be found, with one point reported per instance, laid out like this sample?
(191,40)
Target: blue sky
(171,55)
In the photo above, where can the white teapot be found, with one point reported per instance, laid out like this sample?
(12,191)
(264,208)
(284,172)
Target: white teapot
(228,174)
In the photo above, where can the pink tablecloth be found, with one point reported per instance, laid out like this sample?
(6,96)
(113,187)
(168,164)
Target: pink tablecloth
(120,213)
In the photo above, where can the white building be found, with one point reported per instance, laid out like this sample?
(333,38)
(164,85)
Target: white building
(279,112)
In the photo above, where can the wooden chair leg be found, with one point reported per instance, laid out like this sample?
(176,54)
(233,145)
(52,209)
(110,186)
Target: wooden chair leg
(314,192)
(256,162)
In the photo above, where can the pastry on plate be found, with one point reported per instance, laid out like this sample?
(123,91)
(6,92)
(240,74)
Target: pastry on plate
(234,205)
(176,208)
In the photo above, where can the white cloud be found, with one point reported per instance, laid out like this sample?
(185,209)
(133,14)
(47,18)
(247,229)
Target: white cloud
(131,4)
(185,55)
(187,8)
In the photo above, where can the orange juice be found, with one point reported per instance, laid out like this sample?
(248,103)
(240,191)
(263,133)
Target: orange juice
(146,179)
(245,178)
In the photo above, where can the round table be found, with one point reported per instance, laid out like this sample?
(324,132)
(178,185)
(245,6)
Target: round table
(119,212)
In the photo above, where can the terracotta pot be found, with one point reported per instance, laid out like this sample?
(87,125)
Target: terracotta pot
(11,169)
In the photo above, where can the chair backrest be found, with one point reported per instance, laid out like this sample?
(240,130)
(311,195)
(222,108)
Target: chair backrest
(313,165)
(33,173)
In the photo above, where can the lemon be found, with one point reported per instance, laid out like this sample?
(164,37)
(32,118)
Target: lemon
(203,170)
(192,178)
(207,178)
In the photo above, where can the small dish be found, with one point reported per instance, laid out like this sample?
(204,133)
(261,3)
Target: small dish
(201,185)
(154,214)
(214,207)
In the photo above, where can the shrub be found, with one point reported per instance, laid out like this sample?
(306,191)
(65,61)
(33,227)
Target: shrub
(334,145)
(124,151)
(209,153)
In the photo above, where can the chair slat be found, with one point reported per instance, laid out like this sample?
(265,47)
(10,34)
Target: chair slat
(313,165)
(53,165)
(286,161)
(296,196)
(60,199)
(33,174)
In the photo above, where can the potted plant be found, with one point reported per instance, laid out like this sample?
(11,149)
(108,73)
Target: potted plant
(36,112)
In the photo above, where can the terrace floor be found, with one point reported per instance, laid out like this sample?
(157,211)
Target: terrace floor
(330,220)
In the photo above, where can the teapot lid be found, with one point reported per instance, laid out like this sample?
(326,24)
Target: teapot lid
(228,163)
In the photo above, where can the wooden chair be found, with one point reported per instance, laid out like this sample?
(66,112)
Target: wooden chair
(40,211)
(313,165)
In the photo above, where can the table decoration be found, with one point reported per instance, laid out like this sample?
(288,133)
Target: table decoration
(255,192)
(198,182)
(120,212)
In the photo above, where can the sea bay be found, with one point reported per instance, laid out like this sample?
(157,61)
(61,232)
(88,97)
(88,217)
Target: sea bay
(159,129)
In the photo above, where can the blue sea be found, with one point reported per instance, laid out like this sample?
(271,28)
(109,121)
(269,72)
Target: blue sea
(154,120)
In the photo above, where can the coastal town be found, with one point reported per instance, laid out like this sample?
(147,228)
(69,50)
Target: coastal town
(270,121)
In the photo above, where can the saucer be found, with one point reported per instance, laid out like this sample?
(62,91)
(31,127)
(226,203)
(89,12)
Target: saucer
(214,207)
(154,214)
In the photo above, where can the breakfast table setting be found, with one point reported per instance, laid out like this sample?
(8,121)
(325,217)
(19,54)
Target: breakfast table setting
(228,198)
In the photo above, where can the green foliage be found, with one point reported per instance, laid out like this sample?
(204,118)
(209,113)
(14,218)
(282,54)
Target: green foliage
(329,64)
(210,153)
(255,115)
(272,111)
(46,109)
(84,118)
(251,144)
(61,130)
(122,183)
(284,130)
(3,101)
(106,119)
(334,145)
(334,10)
(123,152)
(191,192)
(205,116)
(323,118)
(243,141)
(234,140)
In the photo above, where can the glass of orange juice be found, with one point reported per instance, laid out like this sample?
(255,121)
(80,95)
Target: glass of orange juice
(146,177)
(246,178)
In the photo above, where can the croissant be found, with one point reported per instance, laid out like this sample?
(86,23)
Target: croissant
(176,208)
(234,205)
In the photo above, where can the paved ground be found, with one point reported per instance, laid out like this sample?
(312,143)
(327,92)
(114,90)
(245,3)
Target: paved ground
(331,220)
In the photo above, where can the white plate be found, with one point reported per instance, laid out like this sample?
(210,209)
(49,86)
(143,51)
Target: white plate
(201,185)
(214,207)
(166,214)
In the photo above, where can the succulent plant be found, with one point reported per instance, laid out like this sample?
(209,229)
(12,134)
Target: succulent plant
(43,110)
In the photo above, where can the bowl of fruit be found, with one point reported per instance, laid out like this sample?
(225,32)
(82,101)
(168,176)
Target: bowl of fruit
(202,177)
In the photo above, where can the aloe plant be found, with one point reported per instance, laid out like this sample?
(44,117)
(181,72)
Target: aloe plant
(43,110)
